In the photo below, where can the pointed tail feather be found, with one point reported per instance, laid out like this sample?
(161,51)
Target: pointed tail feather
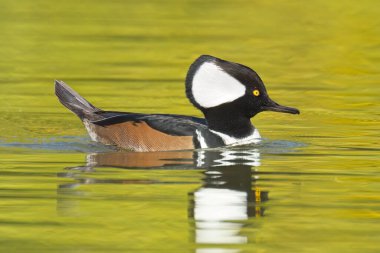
(75,102)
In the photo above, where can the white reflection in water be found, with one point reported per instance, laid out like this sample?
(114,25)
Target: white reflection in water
(213,207)
(217,250)
(228,158)
(220,204)
(227,198)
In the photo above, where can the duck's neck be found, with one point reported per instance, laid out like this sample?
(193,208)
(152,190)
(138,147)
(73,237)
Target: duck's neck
(229,121)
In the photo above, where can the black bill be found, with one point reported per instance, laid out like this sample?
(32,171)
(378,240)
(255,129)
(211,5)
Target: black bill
(273,106)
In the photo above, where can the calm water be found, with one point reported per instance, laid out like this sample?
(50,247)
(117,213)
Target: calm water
(312,185)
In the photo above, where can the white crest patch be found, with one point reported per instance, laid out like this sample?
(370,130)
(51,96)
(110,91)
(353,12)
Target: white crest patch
(212,86)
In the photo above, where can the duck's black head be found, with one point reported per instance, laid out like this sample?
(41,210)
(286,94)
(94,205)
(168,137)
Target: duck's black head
(223,89)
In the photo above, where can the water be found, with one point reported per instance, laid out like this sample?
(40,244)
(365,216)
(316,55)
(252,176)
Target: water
(311,186)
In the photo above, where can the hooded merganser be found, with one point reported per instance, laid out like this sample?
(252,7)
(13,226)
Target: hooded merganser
(228,94)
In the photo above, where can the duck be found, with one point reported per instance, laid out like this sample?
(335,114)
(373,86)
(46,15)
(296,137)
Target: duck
(228,94)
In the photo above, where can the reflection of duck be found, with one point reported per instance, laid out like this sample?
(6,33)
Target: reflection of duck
(127,160)
(227,93)
(227,198)
(141,160)
(218,209)
(176,159)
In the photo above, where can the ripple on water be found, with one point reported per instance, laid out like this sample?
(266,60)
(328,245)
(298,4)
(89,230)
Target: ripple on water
(64,143)
(85,145)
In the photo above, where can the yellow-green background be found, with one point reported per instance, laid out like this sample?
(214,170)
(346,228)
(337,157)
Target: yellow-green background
(319,56)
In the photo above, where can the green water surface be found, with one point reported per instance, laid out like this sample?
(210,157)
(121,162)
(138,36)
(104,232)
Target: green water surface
(312,186)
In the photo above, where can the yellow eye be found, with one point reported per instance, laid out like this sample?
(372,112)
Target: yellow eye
(256,93)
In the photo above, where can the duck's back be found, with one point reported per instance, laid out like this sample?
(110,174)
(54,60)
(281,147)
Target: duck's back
(145,132)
